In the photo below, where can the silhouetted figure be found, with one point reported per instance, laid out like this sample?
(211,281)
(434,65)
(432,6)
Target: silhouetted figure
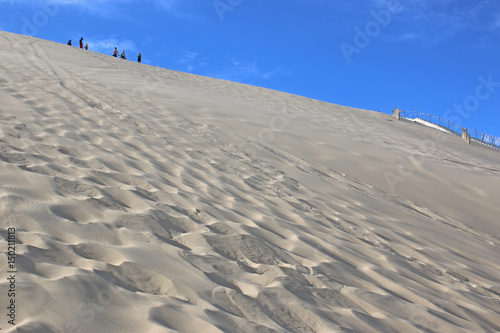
(69,43)
(123,55)
(115,53)
(81,43)
(139,57)
(86,46)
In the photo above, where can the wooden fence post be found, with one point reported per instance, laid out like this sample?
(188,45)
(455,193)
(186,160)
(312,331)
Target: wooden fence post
(465,135)
(397,113)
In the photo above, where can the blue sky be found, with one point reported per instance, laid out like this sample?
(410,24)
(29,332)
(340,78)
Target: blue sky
(441,57)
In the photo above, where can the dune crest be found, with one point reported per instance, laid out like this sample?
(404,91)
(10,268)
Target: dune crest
(149,200)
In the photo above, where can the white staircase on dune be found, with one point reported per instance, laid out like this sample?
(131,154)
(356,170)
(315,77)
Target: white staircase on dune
(430,124)
(446,130)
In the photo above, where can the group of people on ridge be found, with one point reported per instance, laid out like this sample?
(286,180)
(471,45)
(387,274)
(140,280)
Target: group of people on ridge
(115,51)
(115,54)
(81,44)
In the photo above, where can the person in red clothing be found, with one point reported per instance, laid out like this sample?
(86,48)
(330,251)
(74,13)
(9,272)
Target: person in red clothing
(81,43)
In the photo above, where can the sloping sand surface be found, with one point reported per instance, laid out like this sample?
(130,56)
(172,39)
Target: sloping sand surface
(149,200)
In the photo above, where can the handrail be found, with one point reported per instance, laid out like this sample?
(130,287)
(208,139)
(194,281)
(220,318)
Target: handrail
(456,129)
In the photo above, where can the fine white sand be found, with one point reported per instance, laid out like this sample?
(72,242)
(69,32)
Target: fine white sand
(149,200)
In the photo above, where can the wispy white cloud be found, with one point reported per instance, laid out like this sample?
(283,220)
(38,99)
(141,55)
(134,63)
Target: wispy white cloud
(99,7)
(495,25)
(247,71)
(232,70)
(112,7)
(171,6)
(179,8)
(433,22)
(107,46)
(191,60)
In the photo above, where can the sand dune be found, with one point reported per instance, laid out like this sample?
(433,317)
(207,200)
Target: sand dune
(149,200)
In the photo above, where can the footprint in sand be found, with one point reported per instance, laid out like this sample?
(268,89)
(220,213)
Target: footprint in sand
(65,187)
(98,252)
(137,278)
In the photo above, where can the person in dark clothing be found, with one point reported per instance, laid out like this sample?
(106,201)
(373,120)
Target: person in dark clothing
(69,43)
(115,53)
(81,43)
(139,57)
(123,55)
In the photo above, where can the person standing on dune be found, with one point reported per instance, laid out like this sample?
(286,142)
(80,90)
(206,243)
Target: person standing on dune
(123,55)
(139,57)
(81,43)
(115,53)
